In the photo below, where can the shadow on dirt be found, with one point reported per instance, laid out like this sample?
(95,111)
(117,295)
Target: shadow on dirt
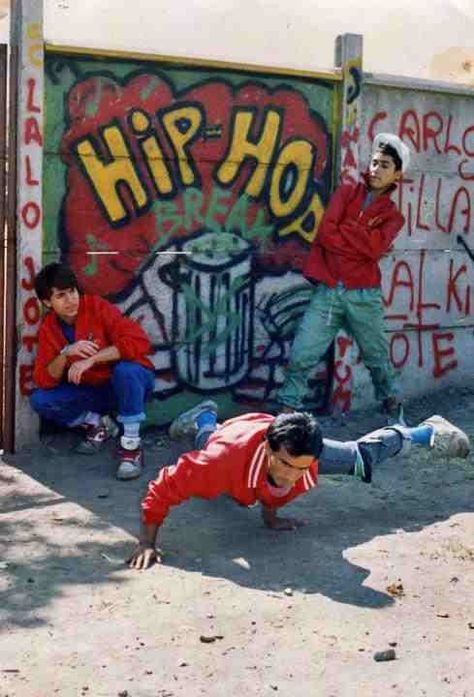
(207,537)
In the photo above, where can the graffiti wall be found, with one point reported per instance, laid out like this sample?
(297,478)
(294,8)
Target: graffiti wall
(189,198)
(28,34)
(428,279)
(349,59)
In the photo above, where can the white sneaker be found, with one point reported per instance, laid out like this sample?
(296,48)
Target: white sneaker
(185,424)
(130,458)
(95,436)
(447,439)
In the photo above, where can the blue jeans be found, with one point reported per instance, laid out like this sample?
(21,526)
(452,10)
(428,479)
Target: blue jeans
(130,386)
(339,457)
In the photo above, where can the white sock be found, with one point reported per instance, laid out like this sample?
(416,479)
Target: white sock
(92,418)
(132,430)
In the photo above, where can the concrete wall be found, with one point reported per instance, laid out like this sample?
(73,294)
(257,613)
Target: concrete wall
(189,193)
(30,146)
(279,32)
(189,196)
(276,33)
(428,279)
(125,244)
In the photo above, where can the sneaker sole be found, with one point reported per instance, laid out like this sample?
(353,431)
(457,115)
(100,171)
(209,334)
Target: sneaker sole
(88,448)
(454,443)
(134,468)
(126,476)
(184,423)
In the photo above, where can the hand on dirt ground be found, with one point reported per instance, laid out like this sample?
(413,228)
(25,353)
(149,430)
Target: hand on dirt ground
(82,349)
(143,557)
(285,524)
(77,370)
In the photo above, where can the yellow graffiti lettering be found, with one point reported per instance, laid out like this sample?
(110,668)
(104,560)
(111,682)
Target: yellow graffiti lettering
(156,162)
(35,55)
(35,51)
(152,152)
(140,121)
(306,225)
(242,147)
(181,137)
(292,172)
(106,178)
(33,30)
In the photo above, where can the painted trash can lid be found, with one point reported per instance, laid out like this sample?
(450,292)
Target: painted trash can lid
(215,249)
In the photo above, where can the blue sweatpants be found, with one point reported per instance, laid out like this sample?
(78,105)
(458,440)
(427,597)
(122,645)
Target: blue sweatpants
(130,386)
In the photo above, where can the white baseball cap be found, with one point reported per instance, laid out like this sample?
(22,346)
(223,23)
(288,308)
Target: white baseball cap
(395,142)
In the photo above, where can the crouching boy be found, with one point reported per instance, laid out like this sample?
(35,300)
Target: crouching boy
(91,361)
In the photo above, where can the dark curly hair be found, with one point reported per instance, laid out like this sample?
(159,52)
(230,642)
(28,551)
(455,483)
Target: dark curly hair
(299,433)
(387,149)
(54,275)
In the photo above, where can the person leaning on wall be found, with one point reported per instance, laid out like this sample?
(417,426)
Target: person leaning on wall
(91,361)
(357,229)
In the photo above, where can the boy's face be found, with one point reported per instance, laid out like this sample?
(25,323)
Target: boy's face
(382,172)
(65,303)
(286,469)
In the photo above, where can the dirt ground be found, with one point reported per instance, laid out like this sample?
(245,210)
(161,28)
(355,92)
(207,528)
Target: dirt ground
(390,565)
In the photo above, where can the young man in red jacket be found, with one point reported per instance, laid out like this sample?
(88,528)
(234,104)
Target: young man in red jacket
(358,228)
(271,460)
(91,360)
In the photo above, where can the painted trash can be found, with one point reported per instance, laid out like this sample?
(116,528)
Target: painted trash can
(215,310)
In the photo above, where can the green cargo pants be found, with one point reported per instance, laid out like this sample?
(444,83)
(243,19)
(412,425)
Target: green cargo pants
(360,312)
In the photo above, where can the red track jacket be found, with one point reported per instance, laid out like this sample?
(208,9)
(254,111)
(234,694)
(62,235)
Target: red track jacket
(351,240)
(99,321)
(234,463)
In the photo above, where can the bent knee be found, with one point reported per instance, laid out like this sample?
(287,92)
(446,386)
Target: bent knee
(39,399)
(125,369)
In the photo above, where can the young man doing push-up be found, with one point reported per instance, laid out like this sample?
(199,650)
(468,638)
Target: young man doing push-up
(271,460)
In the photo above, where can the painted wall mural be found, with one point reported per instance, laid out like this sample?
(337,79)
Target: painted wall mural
(429,277)
(189,197)
(29,213)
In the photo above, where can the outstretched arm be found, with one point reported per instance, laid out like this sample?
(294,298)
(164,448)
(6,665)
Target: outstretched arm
(202,473)
(145,554)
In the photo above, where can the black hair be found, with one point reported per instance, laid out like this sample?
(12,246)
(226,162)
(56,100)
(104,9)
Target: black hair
(54,275)
(299,433)
(389,150)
